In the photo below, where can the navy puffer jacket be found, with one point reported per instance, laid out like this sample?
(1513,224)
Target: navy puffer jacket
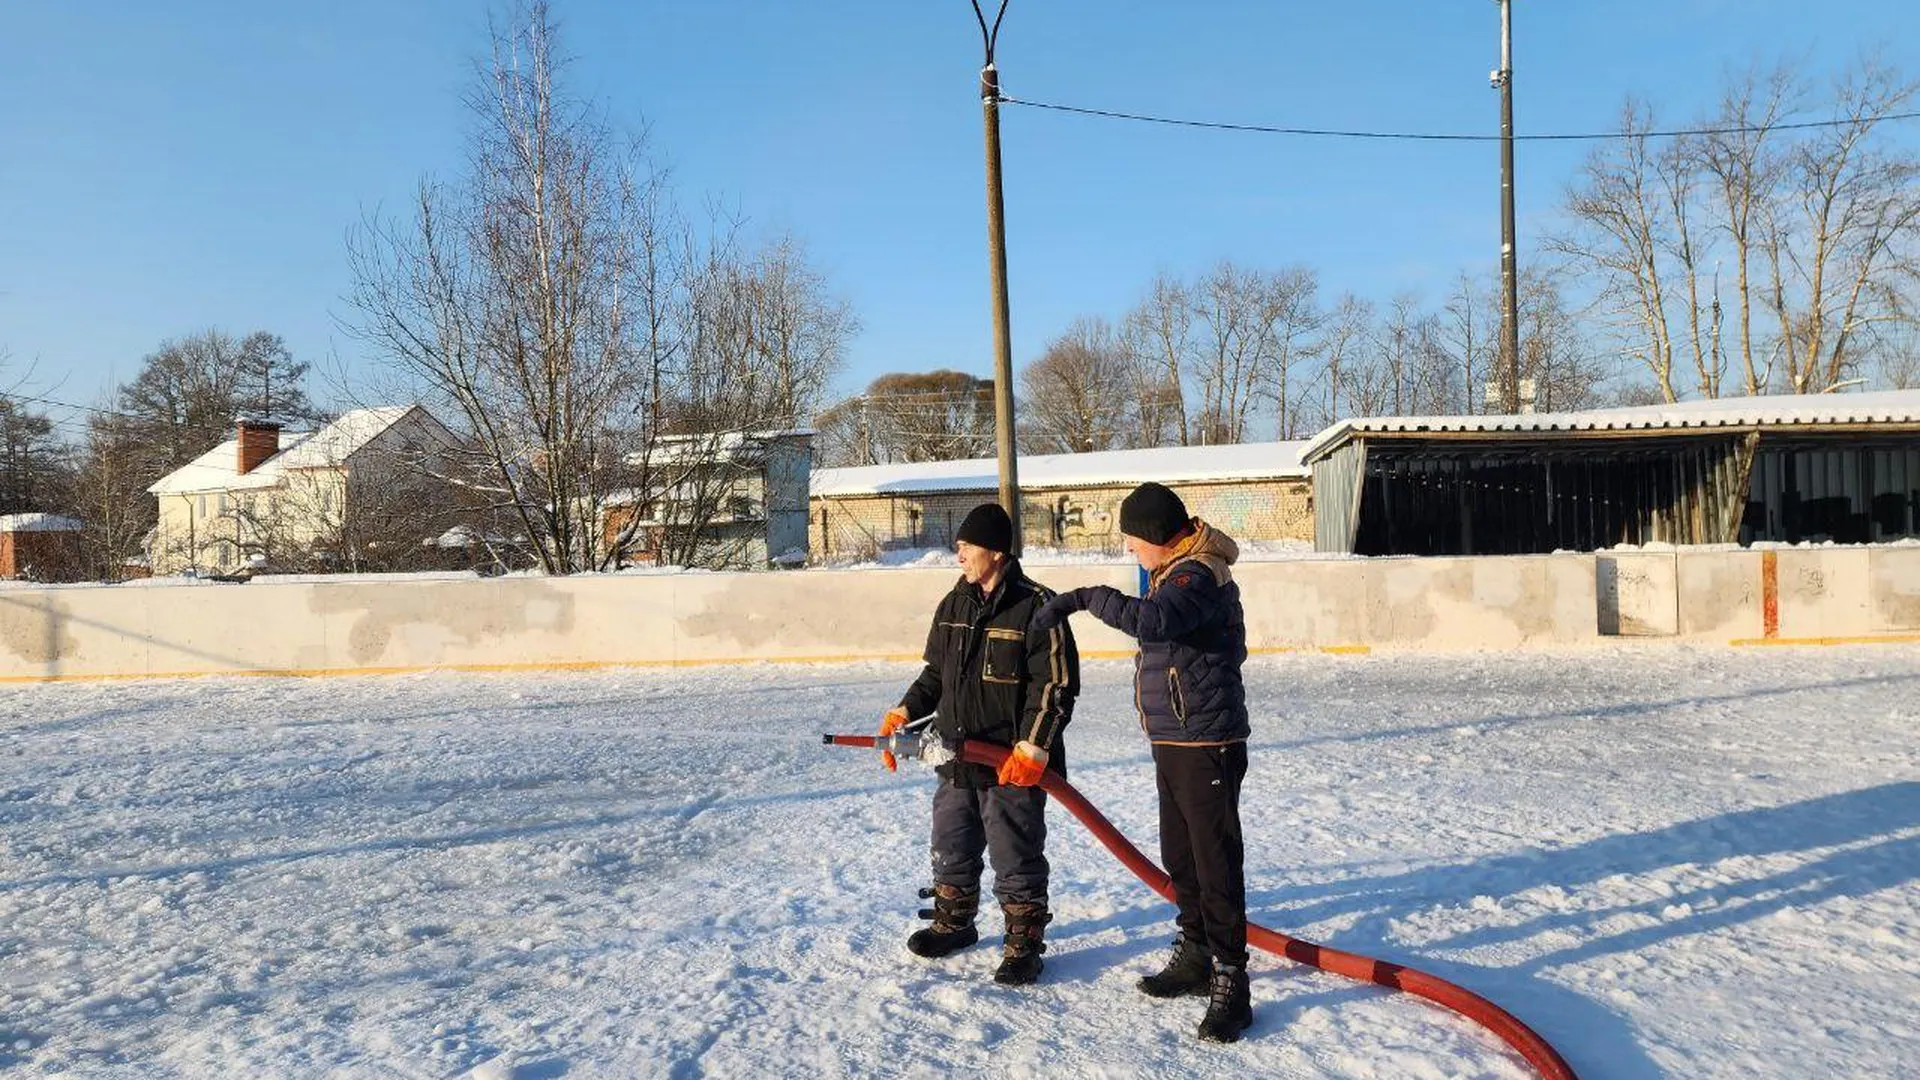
(1193,641)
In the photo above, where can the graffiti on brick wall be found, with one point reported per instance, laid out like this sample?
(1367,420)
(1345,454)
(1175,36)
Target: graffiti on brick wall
(1081,521)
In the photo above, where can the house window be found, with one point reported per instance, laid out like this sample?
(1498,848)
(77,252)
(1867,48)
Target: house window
(203,506)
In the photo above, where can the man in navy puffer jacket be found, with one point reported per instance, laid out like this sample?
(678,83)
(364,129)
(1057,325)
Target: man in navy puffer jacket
(1193,707)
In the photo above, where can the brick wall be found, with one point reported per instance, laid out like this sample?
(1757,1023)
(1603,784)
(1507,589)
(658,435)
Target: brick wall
(40,556)
(1081,518)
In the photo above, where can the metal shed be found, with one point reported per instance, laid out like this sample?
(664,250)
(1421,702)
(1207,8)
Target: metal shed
(1841,467)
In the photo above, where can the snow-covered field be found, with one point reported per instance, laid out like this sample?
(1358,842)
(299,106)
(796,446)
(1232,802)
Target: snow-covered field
(1671,862)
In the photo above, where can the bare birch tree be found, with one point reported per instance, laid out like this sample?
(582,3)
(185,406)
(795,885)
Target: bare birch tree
(564,319)
(1850,248)
(1739,156)
(1620,232)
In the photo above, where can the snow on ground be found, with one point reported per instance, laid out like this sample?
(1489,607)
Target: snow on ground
(1671,862)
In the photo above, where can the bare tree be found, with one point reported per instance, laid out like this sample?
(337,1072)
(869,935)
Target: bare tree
(764,338)
(1566,373)
(563,317)
(843,435)
(1620,232)
(1156,334)
(1343,362)
(1739,156)
(514,293)
(1077,396)
(1234,326)
(1293,318)
(1821,227)
(922,416)
(1849,248)
(1899,357)
(184,400)
(1467,331)
(33,474)
(110,497)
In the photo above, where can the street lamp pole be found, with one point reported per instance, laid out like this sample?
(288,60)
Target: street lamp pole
(1509,272)
(997,252)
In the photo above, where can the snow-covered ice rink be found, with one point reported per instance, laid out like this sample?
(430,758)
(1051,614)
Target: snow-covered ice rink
(1671,862)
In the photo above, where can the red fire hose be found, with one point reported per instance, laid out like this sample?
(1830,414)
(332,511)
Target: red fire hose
(1545,1060)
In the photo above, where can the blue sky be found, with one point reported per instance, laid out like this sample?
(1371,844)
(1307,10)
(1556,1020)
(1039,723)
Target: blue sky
(172,167)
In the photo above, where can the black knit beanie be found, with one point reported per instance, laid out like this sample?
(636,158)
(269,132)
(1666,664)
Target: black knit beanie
(989,527)
(1152,512)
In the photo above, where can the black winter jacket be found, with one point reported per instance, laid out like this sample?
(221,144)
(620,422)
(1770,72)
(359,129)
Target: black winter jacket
(1193,641)
(991,680)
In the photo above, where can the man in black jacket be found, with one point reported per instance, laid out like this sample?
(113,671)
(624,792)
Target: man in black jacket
(989,679)
(1193,707)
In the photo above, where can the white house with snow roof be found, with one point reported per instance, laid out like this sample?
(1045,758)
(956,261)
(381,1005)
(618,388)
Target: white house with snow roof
(273,494)
(1254,491)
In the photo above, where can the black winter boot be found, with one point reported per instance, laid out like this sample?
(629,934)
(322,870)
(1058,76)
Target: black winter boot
(1187,971)
(1020,961)
(1229,1006)
(952,914)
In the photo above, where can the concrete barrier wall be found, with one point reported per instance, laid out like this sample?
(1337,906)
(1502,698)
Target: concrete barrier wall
(1800,594)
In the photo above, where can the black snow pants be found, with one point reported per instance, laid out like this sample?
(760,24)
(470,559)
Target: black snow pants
(1201,844)
(1007,823)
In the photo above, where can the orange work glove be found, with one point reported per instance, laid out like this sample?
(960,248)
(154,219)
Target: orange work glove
(1024,766)
(895,719)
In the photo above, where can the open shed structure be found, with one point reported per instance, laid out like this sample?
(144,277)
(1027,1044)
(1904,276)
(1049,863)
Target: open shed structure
(1840,467)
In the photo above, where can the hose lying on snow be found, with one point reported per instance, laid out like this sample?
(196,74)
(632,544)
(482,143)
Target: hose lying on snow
(1545,1060)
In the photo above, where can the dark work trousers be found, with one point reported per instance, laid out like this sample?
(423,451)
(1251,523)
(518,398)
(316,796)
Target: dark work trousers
(1008,823)
(1200,843)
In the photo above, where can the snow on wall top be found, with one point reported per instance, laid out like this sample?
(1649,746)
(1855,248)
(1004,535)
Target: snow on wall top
(19,523)
(217,469)
(1172,464)
(1780,410)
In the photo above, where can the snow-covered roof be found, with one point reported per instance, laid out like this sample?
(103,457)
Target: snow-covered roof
(19,523)
(739,447)
(218,468)
(1780,410)
(1168,465)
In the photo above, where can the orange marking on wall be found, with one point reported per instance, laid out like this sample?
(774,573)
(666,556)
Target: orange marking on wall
(1769,594)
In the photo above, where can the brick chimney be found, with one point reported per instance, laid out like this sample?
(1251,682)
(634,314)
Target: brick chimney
(259,440)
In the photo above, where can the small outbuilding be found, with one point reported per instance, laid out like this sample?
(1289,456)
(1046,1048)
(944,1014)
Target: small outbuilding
(40,547)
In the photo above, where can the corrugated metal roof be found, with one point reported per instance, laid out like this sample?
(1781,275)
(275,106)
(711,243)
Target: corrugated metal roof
(1783,410)
(1167,465)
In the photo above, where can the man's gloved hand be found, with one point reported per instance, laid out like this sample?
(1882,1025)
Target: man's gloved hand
(1055,611)
(895,719)
(1023,767)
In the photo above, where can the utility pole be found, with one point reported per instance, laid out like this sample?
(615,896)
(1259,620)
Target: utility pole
(1509,274)
(997,258)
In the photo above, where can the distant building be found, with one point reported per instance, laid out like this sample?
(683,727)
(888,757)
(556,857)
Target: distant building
(726,500)
(40,547)
(1253,491)
(275,496)
(1816,467)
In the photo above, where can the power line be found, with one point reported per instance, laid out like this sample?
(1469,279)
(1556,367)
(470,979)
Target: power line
(67,405)
(1414,136)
